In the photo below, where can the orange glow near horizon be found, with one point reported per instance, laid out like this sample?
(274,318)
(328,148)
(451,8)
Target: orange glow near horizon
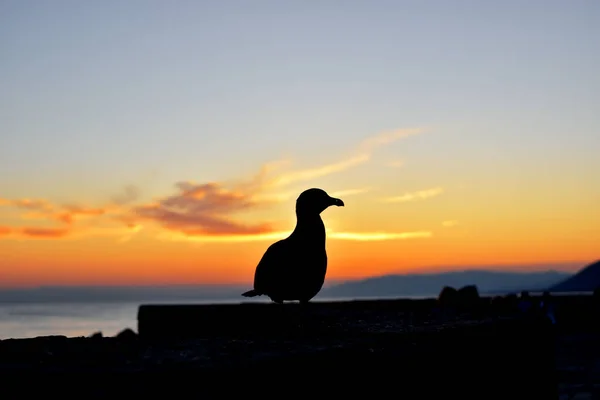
(147,258)
(213,233)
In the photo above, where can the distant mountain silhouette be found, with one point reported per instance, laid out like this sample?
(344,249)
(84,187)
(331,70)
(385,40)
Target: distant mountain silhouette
(488,282)
(586,280)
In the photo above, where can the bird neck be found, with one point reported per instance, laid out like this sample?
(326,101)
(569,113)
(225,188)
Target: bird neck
(310,227)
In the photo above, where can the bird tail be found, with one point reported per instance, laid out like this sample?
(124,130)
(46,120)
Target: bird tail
(251,293)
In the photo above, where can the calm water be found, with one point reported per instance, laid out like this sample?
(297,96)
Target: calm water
(69,319)
(26,320)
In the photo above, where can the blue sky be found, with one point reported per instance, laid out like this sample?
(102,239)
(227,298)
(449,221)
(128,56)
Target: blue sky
(122,89)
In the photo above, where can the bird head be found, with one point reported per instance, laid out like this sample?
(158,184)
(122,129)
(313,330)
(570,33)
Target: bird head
(314,201)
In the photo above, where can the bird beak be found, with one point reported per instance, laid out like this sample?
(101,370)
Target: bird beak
(337,202)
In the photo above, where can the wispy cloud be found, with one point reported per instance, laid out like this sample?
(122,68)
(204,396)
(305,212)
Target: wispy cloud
(72,212)
(287,195)
(209,211)
(413,196)
(44,209)
(349,192)
(237,238)
(194,209)
(360,155)
(379,236)
(129,233)
(202,209)
(66,216)
(205,212)
(130,194)
(370,144)
(44,232)
(313,173)
(272,236)
(70,233)
(28,204)
(450,223)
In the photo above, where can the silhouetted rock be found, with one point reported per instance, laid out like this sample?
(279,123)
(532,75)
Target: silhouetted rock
(96,335)
(468,299)
(465,299)
(127,334)
(586,280)
(448,297)
(469,292)
(429,284)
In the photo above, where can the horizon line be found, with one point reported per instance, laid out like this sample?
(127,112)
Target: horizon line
(245,284)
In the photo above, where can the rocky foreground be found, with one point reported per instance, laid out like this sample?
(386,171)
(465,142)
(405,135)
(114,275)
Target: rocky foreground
(405,349)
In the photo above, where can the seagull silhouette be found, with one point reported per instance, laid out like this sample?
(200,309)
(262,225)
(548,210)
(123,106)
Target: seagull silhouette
(294,268)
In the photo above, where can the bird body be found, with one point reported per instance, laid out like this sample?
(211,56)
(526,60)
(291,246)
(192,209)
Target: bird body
(294,268)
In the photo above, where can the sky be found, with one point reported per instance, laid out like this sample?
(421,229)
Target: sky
(152,142)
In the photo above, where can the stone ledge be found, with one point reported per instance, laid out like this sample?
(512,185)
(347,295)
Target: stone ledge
(376,346)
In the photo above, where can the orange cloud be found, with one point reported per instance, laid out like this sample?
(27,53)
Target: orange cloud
(67,215)
(72,212)
(34,232)
(205,209)
(29,204)
(197,209)
(202,209)
(123,234)
(43,209)
(44,232)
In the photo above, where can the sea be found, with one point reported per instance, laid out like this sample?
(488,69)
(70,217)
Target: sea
(76,319)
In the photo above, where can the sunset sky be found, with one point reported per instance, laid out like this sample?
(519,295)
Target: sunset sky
(161,142)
